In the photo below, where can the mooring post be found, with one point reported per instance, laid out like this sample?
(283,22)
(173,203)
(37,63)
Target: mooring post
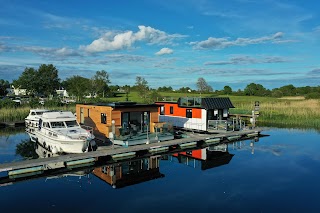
(113,132)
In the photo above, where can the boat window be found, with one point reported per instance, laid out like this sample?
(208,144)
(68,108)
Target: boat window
(71,123)
(39,113)
(33,113)
(57,124)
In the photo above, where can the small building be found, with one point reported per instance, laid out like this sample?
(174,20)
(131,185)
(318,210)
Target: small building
(196,113)
(130,172)
(205,158)
(129,122)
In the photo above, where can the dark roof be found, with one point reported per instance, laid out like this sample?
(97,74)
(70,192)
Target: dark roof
(125,104)
(217,103)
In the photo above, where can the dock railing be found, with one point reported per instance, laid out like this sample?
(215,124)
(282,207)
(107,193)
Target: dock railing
(226,125)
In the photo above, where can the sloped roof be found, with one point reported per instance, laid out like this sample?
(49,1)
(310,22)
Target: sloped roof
(217,103)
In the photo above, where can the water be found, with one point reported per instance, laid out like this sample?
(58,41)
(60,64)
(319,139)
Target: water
(279,173)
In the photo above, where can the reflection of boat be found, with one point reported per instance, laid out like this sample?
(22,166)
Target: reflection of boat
(32,121)
(59,132)
(130,172)
(206,158)
(43,153)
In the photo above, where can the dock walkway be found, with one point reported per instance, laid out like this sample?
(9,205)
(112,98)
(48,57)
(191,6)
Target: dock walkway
(197,140)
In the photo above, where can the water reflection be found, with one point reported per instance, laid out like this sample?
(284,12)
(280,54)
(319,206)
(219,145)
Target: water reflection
(127,172)
(207,158)
(130,172)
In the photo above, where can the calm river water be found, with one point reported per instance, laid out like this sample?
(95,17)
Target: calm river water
(278,173)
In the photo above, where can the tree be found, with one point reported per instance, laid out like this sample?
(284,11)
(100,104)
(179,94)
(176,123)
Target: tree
(253,89)
(77,86)
(227,90)
(202,86)
(27,80)
(100,82)
(42,81)
(47,80)
(4,84)
(142,88)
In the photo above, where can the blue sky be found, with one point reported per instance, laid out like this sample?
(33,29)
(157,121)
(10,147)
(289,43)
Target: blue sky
(168,42)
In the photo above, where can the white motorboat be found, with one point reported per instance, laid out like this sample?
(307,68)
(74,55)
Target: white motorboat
(59,132)
(32,121)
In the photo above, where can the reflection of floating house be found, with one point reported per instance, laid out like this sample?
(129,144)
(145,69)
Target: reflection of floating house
(130,172)
(206,114)
(130,123)
(206,158)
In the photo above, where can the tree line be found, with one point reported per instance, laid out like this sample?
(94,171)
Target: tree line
(45,80)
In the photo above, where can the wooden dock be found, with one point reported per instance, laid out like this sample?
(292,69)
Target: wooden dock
(115,153)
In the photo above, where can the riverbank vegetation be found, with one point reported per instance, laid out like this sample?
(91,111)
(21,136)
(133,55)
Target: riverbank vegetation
(42,85)
(289,111)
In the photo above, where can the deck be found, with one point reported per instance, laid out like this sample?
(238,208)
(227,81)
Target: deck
(114,153)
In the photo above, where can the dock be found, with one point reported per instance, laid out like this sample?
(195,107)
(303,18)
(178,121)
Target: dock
(114,153)
(12,124)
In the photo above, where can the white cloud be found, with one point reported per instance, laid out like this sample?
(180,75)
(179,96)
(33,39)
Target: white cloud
(117,41)
(221,43)
(164,51)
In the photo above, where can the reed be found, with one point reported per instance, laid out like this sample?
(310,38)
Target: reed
(289,112)
(20,113)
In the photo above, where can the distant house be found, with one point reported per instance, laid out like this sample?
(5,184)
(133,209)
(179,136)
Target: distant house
(62,93)
(16,91)
(196,113)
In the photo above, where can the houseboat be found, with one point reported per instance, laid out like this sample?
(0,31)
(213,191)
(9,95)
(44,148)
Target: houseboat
(202,114)
(206,158)
(130,172)
(124,123)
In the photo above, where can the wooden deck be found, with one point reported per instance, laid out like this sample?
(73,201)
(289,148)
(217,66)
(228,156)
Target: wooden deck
(114,152)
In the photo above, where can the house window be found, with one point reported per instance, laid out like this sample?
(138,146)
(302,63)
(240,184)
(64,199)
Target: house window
(189,113)
(162,110)
(171,110)
(88,113)
(103,118)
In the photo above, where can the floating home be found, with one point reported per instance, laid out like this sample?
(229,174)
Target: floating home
(130,172)
(124,123)
(196,113)
(206,158)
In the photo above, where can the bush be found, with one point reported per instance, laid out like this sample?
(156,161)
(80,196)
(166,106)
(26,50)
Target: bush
(312,95)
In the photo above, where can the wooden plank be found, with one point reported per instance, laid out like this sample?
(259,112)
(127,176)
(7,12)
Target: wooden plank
(113,150)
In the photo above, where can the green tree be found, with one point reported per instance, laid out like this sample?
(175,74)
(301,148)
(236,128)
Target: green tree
(47,80)
(100,82)
(4,84)
(43,81)
(203,86)
(27,80)
(253,89)
(77,86)
(142,88)
(227,90)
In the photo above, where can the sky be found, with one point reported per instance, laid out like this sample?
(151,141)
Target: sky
(167,42)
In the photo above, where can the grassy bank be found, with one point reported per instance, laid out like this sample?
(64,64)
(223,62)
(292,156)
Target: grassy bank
(290,112)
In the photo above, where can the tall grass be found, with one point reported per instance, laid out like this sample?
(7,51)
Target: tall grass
(293,113)
(20,113)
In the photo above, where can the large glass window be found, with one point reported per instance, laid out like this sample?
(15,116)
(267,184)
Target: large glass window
(162,110)
(71,123)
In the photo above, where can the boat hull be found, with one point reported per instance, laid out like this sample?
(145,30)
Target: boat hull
(62,146)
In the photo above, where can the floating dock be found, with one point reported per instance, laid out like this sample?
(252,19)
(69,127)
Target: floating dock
(115,153)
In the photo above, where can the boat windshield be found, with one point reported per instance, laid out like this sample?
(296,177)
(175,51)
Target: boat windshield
(57,124)
(72,123)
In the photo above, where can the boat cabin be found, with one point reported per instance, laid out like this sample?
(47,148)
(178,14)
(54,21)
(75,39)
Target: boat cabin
(196,113)
(126,120)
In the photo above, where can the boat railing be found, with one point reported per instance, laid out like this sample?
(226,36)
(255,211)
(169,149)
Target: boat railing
(226,125)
